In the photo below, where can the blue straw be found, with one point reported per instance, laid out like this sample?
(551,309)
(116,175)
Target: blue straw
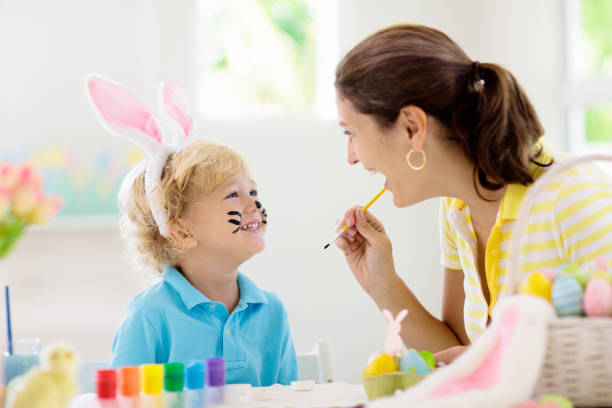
(8,320)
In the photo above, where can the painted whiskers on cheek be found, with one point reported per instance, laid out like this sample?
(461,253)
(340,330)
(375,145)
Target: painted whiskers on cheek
(264,214)
(235,222)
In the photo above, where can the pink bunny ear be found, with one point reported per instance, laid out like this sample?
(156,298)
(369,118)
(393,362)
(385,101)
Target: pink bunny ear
(174,110)
(388,315)
(121,113)
(401,315)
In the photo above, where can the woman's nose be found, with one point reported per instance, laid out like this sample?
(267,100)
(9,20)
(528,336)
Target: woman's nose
(351,156)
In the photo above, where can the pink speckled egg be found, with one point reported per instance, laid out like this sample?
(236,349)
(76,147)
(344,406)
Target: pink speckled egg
(602,264)
(597,300)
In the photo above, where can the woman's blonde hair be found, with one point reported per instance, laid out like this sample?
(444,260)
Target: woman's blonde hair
(197,168)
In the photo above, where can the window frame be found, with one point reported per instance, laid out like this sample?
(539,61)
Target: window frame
(581,92)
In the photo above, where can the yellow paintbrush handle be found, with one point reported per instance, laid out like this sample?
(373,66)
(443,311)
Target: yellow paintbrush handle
(365,208)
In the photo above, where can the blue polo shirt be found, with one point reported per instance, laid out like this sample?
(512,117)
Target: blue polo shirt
(173,322)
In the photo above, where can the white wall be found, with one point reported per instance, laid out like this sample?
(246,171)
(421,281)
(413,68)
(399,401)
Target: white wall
(527,38)
(74,284)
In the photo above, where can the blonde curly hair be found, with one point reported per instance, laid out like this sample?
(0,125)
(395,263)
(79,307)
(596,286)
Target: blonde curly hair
(196,169)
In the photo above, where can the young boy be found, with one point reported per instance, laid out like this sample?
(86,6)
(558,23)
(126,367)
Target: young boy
(211,222)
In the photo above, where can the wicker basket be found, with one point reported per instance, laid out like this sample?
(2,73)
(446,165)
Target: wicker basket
(578,362)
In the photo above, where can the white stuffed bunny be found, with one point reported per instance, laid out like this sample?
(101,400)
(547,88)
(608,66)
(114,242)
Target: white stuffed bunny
(499,370)
(393,342)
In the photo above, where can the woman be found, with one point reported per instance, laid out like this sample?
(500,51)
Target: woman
(435,123)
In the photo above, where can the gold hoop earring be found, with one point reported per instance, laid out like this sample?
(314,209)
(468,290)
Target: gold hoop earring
(412,166)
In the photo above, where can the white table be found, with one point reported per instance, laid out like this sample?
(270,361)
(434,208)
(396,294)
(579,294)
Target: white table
(337,394)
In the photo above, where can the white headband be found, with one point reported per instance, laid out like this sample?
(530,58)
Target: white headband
(122,114)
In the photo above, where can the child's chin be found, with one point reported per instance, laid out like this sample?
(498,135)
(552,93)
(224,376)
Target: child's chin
(259,247)
(250,252)
(256,247)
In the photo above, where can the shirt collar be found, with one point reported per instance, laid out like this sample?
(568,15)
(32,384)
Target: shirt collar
(191,297)
(457,204)
(249,292)
(515,193)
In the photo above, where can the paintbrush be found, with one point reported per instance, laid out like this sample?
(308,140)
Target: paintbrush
(365,208)
(9,332)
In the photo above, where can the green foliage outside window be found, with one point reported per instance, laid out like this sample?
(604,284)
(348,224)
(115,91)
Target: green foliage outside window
(292,18)
(597,27)
(598,122)
(255,57)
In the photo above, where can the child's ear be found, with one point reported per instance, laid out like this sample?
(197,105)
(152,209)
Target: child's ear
(181,235)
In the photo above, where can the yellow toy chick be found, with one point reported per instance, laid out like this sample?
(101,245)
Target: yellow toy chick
(51,386)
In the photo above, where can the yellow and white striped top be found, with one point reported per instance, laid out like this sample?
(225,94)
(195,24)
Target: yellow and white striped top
(571,222)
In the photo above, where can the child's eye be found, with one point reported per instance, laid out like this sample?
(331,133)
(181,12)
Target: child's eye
(232,195)
(253,193)
(349,134)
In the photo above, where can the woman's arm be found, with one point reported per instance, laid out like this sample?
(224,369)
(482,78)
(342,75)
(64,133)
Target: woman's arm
(420,330)
(368,253)
(453,299)
(446,346)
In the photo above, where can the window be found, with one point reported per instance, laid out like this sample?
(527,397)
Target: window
(263,57)
(589,75)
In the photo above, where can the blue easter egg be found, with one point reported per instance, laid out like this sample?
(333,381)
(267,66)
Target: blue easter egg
(573,271)
(567,296)
(413,362)
(559,269)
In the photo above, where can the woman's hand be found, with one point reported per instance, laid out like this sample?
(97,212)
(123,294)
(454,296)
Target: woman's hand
(447,356)
(368,251)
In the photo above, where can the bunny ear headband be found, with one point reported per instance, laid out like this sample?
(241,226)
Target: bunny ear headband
(122,114)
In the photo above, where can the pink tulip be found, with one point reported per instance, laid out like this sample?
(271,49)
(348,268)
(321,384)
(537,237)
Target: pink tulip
(46,210)
(25,199)
(9,176)
(29,176)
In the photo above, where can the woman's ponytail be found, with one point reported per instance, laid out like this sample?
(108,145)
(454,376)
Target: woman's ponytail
(502,129)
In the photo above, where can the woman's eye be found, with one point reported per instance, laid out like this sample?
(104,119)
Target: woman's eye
(349,134)
(253,193)
(232,195)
